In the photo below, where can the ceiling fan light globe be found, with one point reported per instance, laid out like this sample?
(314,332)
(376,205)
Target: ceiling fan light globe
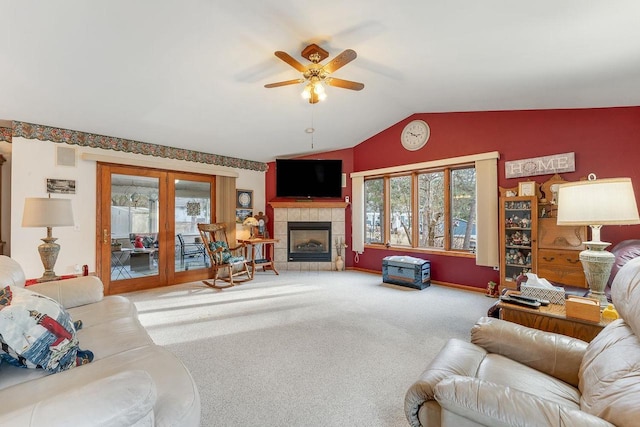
(322,96)
(318,89)
(306,93)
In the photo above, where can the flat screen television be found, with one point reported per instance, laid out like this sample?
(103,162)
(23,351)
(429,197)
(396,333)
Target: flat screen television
(308,178)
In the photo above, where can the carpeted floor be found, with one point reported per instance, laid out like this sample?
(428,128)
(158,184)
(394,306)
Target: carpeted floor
(306,349)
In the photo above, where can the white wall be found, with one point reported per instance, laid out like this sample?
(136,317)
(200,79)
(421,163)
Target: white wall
(33,161)
(5,200)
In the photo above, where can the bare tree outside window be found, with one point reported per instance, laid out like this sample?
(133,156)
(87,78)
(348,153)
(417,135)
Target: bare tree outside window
(374,210)
(446,209)
(431,203)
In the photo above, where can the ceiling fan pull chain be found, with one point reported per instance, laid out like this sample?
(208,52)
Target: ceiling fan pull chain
(313,129)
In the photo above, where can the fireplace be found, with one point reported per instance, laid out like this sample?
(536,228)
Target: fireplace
(309,241)
(285,212)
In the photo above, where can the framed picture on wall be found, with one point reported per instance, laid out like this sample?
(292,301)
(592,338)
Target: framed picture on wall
(244,199)
(242,214)
(527,188)
(61,186)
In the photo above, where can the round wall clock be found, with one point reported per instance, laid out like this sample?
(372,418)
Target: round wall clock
(415,135)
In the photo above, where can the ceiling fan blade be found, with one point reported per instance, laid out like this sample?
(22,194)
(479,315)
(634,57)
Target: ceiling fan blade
(345,84)
(285,83)
(340,61)
(291,61)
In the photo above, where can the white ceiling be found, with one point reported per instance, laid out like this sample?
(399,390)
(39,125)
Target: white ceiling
(190,74)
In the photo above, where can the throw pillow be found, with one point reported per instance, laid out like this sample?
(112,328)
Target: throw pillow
(224,254)
(37,332)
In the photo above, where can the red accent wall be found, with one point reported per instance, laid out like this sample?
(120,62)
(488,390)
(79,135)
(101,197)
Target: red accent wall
(606,141)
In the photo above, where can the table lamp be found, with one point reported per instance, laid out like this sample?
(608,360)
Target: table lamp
(47,212)
(253,223)
(596,203)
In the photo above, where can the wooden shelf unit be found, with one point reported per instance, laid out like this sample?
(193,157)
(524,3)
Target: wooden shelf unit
(554,249)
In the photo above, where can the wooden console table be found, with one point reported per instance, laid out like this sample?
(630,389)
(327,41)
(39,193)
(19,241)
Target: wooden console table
(551,318)
(259,256)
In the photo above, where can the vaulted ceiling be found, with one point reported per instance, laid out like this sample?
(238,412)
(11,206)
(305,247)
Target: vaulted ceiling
(191,74)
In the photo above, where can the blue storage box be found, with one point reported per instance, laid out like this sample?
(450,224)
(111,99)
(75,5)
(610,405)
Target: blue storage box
(406,271)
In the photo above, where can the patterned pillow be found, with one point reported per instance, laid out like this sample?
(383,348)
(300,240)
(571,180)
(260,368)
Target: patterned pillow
(37,332)
(225,255)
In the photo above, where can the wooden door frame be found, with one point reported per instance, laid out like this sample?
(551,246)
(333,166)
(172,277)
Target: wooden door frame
(166,220)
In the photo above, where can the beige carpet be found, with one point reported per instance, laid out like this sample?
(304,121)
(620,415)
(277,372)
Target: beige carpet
(306,349)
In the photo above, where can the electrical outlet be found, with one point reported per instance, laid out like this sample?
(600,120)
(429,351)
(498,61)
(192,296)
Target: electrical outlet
(496,268)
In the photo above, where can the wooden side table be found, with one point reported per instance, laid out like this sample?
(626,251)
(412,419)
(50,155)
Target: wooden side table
(259,256)
(551,318)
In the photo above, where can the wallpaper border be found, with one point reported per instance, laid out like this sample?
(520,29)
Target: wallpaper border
(84,139)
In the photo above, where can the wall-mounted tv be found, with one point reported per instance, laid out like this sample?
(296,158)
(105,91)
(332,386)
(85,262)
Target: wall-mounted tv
(308,178)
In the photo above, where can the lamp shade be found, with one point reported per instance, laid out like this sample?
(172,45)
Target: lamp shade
(45,212)
(252,221)
(597,202)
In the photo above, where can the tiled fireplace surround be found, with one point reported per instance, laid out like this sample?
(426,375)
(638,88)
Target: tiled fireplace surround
(285,212)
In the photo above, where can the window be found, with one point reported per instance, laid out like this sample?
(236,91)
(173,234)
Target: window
(445,204)
(463,208)
(374,210)
(431,204)
(400,210)
(427,209)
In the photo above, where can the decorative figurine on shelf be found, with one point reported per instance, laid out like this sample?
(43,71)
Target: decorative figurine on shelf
(138,243)
(516,238)
(554,193)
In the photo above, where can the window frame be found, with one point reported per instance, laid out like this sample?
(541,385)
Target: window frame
(415,233)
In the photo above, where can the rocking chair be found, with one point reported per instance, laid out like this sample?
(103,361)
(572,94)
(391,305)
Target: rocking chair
(223,257)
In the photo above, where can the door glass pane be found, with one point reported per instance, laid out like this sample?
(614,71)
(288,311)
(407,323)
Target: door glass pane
(134,226)
(193,206)
(374,207)
(431,205)
(400,202)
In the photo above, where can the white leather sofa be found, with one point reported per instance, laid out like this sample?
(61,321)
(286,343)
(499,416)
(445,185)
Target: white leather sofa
(130,382)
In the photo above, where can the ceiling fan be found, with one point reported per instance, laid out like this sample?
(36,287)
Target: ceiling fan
(315,74)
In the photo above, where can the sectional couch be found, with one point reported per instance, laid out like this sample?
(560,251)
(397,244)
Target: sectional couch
(131,381)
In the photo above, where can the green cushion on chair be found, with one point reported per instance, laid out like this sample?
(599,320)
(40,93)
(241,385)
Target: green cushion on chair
(225,255)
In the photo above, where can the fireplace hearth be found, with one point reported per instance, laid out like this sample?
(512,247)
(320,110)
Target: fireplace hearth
(309,241)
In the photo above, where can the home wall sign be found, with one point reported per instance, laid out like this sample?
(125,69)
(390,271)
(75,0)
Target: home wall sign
(557,163)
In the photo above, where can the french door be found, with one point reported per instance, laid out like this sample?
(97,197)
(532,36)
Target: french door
(147,227)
